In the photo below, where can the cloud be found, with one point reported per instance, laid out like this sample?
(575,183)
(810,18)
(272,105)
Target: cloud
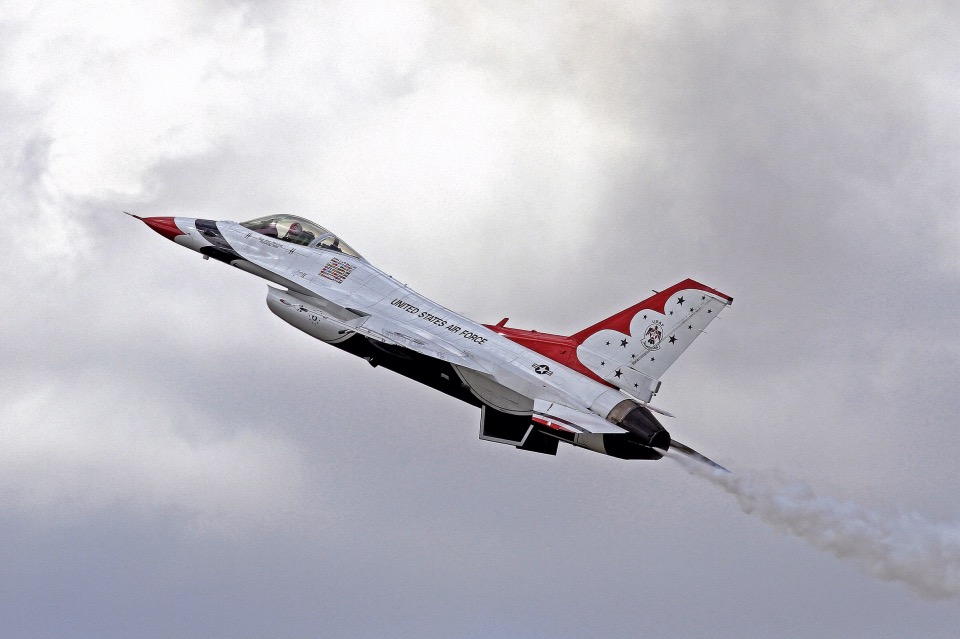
(121,86)
(550,163)
(77,450)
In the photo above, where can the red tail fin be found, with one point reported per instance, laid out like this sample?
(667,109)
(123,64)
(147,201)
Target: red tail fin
(633,348)
(656,303)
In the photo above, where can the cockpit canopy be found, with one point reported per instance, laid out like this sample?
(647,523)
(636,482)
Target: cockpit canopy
(297,230)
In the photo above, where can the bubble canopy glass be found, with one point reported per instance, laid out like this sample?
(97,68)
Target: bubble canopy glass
(297,230)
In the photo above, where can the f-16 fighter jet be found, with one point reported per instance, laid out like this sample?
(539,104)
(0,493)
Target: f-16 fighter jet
(591,389)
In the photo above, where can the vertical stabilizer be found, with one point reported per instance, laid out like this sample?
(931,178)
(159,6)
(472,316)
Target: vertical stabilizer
(633,348)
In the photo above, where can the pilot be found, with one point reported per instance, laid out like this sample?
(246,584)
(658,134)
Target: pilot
(297,235)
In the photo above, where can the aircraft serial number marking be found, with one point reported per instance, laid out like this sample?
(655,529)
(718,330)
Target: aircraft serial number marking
(269,243)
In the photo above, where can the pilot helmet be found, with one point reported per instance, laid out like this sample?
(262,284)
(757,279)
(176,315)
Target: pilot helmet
(288,229)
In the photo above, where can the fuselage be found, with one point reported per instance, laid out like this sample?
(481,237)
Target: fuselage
(589,389)
(410,320)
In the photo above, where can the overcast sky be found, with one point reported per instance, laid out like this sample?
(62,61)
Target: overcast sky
(175,461)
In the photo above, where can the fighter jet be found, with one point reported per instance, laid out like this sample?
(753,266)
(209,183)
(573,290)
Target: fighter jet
(535,390)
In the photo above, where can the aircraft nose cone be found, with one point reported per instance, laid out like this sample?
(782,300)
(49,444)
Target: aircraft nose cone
(165,226)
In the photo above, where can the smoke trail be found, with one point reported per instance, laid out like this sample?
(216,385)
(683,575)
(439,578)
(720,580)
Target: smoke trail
(906,547)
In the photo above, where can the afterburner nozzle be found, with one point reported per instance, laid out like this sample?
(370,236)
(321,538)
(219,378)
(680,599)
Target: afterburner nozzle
(644,425)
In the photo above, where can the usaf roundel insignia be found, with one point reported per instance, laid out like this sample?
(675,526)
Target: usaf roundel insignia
(653,335)
(542,369)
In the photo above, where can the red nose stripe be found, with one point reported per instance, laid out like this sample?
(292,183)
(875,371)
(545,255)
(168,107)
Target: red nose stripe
(165,226)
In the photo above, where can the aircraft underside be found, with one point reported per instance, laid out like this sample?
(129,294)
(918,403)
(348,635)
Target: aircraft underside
(521,431)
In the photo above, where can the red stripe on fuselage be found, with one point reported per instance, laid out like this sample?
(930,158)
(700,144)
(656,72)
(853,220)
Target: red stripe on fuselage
(560,349)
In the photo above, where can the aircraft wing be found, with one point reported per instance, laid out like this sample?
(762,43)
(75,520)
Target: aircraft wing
(333,293)
(372,326)
(386,330)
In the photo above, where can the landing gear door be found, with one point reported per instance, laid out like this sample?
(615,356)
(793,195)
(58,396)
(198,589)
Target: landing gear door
(503,428)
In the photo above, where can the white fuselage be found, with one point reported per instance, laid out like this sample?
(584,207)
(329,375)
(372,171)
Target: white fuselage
(497,370)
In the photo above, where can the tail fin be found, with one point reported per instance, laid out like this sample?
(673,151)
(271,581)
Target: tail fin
(633,348)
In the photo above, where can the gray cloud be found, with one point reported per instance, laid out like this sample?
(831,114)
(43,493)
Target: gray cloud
(177,461)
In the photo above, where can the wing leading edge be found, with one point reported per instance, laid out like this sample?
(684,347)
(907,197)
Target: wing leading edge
(322,318)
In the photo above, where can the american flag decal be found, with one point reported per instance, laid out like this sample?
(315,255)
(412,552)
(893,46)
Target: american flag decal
(336,270)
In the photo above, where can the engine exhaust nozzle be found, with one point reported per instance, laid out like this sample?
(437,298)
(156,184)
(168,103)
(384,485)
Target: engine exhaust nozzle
(639,421)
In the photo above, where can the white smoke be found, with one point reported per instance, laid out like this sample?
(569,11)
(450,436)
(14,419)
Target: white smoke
(901,547)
